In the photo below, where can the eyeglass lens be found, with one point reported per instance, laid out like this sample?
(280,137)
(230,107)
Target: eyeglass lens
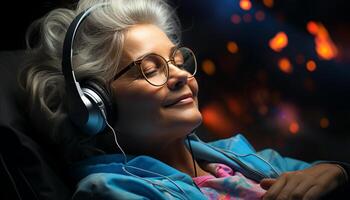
(155,69)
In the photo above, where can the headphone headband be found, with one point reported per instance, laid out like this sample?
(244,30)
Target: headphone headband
(81,106)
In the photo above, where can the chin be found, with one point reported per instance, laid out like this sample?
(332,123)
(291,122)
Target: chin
(188,120)
(197,120)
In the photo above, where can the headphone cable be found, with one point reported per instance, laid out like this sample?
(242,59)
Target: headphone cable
(193,159)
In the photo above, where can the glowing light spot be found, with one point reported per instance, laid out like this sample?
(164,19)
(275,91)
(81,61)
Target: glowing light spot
(312,27)
(279,41)
(324,122)
(232,47)
(325,47)
(285,65)
(236,19)
(287,118)
(311,65)
(268,3)
(208,67)
(245,4)
(247,18)
(215,119)
(294,127)
(260,15)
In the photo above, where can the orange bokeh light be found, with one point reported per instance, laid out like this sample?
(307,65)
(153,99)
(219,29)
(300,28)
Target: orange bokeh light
(208,67)
(285,65)
(215,119)
(312,27)
(268,3)
(279,41)
(245,4)
(232,47)
(325,47)
(294,127)
(311,65)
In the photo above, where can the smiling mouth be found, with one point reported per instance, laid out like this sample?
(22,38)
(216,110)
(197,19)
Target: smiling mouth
(183,101)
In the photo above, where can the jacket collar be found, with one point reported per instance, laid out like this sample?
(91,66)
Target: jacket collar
(235,152)
(114,163)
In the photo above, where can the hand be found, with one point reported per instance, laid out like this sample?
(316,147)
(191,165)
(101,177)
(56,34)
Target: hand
(311,183)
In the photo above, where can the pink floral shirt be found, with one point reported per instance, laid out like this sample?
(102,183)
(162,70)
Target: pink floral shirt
(227,184)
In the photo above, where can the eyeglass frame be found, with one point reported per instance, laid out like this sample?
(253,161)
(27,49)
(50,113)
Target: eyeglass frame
(139,61)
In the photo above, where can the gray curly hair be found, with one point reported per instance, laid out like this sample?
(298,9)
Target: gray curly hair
(98,47)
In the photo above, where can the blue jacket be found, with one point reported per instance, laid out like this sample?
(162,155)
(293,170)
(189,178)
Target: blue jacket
(106,177)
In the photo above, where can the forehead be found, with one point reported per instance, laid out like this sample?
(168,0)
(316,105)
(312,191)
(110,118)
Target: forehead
(146,38)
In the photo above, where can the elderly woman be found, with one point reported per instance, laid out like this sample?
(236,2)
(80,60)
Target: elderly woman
(118,96)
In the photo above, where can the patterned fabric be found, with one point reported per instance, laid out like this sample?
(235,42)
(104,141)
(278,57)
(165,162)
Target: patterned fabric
(227,184)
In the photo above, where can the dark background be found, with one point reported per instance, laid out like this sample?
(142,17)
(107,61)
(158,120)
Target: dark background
(248,93)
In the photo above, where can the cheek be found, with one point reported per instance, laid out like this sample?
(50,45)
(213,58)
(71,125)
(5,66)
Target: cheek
(137,102)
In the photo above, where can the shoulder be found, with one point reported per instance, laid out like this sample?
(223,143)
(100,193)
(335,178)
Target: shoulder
(114,186)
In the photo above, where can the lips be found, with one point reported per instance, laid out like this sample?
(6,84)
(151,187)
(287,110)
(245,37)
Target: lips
(186,98)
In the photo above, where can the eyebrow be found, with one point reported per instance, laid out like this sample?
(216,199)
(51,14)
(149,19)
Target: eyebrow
(170,54)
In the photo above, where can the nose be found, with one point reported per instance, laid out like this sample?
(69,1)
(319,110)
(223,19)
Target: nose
(177,77)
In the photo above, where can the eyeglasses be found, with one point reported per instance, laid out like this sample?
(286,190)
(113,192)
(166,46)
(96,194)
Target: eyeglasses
(155,69)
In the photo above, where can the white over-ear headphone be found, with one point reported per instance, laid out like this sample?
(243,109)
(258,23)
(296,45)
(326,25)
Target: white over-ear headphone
(89,103)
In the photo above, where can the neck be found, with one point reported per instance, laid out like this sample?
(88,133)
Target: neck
(178,156)
(172,152)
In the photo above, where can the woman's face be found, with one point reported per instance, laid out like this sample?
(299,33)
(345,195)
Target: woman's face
(143,110)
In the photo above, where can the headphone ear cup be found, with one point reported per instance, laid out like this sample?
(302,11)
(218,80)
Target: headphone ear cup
(103,94)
